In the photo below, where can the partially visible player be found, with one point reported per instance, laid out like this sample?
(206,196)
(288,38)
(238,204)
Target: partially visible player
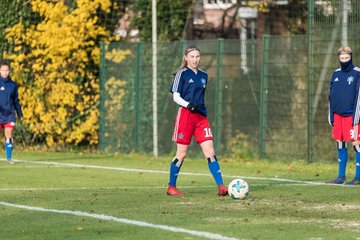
(344,113)
(188,90)
(9,104)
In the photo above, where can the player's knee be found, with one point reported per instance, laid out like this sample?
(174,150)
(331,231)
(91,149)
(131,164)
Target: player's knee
(8,140)
(356,142)
(181,156)
(209,153)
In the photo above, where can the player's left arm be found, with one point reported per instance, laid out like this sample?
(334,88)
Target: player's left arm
(356,112)
(17,103)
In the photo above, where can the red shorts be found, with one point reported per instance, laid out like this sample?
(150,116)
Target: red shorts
(188,124)
(7,125)
(343,130)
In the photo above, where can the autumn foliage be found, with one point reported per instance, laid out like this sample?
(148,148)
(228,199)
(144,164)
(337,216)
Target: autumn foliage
(53,63)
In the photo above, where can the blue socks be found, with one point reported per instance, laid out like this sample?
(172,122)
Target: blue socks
(174,171)
(342,159)
(8,148)
(215,170)
(357,160)
(212,163)
(357,167)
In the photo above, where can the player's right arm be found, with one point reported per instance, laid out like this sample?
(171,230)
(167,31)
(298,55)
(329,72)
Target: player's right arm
(17,103)
(176,89)
(330,112)
(179,100)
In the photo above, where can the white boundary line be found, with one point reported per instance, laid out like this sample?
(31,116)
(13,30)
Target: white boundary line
(166,172)
(19,167)
(98,188)
(123,220)
(137,187)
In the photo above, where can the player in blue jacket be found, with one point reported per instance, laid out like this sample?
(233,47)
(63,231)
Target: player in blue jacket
(9,104)
(344,113)
(188,90)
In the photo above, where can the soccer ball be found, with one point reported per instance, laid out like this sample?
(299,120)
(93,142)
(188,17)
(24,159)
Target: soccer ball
(238,189)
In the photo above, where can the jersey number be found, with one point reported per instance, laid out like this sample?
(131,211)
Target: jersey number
(208,132)
(352,134)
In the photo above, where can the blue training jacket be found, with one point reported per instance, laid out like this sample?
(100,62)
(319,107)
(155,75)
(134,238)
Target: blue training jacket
(344,94)
(9,101)
(191,87)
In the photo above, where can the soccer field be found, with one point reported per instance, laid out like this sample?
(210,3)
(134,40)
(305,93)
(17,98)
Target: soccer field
(96,196)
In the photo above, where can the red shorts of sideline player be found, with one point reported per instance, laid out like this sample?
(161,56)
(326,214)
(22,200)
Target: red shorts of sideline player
(188,124)
(343,130)
(7,125)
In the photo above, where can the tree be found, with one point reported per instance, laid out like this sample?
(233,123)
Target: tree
(11,12)
(171,19)
(53,61)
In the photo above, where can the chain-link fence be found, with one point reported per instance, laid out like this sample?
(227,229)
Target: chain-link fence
(232,101)
(332,24)
(267,99)
(246,90)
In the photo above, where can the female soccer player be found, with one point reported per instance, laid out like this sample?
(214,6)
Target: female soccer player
(9,104)
(344,113)
(188,90)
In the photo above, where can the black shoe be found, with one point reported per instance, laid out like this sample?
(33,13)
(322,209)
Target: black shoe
(355,181)
(339,180)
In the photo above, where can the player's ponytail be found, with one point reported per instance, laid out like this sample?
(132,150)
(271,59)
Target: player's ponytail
(187,50)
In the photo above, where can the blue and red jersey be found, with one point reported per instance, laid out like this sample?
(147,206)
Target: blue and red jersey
(9,101)
(344,94)
(191,87)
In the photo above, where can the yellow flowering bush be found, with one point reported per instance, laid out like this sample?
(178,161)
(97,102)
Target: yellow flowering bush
(54,62)
(262,5)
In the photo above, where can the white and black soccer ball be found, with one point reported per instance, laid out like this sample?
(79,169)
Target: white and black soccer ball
(238,189)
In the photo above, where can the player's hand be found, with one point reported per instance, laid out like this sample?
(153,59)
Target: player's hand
(192,108)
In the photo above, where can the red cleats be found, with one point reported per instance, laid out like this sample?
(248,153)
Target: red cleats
(222,190)
(173,191)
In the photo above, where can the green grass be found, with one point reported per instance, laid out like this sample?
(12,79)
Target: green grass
(273,210)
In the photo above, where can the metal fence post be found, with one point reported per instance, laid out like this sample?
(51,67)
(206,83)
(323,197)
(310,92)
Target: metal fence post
(218,92)
(263,96)
(310,117)
(137,100)
(102,108)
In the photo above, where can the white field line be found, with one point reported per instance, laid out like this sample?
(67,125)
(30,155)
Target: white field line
(7,167)
(166,172)
(122,220)
(137,187)
(97,188)
(87,166)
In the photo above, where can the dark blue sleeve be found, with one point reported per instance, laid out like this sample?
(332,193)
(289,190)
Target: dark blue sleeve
(177,84)
(357,102)
(331,112)
(17,103)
